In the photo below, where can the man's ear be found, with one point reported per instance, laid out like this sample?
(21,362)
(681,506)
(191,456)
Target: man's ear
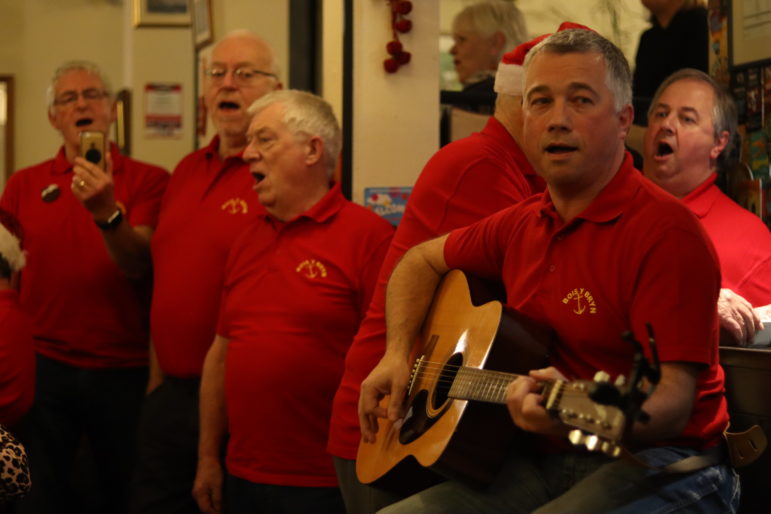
(720,143)
(314,150)
(625,118)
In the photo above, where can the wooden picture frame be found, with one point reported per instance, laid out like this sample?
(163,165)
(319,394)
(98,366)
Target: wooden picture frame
(6,128)
(750,34)
(161,13)
(201,23)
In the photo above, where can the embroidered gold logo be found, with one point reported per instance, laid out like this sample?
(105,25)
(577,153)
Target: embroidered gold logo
(581,300)
(235,206)
(312,268)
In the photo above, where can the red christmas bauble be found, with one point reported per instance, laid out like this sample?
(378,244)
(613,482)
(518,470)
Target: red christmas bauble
(403,57)
(403,7)
(403,25)
(394,47)
(391,65)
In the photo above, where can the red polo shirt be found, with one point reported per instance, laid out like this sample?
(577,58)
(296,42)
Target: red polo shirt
(634,256)
(86,313)
(207,204)
(462,183)
(742,241)
(293,298)
(17,360)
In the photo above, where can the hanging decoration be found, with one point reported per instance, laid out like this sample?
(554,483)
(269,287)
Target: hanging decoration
(399,24)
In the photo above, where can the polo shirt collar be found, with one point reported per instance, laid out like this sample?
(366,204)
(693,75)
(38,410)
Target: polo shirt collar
(701,199)
(212,150)
(329,205)
(61,165)
(612,199)
(323,210)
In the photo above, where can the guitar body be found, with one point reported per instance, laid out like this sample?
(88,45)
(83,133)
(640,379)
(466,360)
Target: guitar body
(457,438)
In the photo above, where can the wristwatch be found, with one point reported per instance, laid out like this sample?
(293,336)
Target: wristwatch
(112,222)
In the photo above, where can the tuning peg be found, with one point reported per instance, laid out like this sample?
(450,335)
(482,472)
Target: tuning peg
(601,376)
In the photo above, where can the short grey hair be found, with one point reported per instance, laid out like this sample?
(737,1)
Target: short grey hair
(69,67)
(724,111)
(306,114)
(618,76)
(488,17)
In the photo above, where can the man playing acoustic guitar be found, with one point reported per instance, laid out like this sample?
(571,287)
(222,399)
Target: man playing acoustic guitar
(600,252)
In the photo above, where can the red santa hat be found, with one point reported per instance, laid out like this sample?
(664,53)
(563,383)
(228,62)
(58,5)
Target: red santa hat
(10,246)
(508,78)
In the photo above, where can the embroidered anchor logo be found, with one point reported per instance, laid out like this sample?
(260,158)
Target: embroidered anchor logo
(312,268)
(235,205)
(583,300)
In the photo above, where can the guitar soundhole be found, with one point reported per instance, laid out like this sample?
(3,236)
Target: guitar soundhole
(445,380)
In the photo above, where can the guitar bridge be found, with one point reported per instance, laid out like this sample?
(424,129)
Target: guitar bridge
(414,374)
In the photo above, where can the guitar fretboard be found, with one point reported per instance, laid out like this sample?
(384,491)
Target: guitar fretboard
(482,385)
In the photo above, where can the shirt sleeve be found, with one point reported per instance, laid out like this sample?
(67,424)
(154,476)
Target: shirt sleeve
(676,292)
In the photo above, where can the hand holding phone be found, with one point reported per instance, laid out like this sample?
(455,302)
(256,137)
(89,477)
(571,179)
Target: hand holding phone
(92,147)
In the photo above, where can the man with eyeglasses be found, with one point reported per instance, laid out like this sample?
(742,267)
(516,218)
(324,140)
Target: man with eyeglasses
(209,201)
(86,286)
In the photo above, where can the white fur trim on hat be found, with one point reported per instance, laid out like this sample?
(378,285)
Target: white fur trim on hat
(10,249)
(508,79)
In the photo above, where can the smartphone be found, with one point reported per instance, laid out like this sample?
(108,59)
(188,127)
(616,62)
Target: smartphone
(92,147)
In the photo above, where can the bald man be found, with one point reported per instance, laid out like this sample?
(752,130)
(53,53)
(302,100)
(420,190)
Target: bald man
(209,201)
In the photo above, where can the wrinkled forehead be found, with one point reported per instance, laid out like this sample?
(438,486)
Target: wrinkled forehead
(76,80)
(240,51)
(551,69)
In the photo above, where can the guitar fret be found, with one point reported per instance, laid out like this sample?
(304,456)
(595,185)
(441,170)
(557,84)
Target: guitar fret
(480,385)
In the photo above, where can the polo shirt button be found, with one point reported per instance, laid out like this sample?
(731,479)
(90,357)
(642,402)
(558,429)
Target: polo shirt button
(552,267)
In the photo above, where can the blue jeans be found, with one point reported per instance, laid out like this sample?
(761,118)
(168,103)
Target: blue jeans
(590,483)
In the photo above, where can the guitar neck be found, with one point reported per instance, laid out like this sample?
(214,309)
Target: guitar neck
(484,385)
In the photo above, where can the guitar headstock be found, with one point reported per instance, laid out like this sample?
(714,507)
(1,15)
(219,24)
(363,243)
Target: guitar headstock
(598,426)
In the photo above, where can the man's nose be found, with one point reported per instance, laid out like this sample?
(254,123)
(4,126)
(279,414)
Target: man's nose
(559,116)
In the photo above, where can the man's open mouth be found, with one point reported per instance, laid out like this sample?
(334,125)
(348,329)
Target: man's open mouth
(83,122)
(557,149)
(258,177)
(228,106)
(663,149)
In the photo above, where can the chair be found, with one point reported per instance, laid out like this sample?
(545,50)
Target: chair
(748,391)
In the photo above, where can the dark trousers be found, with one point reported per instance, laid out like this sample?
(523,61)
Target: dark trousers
(81,438)
(168,450)
(242,496)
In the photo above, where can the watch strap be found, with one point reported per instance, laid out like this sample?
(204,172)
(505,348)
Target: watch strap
(112,222)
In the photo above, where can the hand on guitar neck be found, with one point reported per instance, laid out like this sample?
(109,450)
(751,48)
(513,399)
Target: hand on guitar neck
(525,402)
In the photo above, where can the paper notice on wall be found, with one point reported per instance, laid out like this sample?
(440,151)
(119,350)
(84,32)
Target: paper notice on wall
(163,110)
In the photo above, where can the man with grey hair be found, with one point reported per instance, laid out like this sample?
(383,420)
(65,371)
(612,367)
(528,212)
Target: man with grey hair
(691,125)
(601,252)
(209,201)
(86,286)
(297,284)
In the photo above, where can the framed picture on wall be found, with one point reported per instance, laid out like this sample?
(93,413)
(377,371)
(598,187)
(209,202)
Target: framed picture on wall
(161,13)
(201,15)
(750,31)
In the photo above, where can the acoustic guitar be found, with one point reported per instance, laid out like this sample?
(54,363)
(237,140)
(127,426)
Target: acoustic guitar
(454,422)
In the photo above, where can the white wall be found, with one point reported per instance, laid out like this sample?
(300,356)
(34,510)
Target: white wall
(395,116)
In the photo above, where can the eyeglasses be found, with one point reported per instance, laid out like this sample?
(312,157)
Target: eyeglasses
(242,76)
(90,94)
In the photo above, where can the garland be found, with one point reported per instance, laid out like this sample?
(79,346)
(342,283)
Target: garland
(399,24)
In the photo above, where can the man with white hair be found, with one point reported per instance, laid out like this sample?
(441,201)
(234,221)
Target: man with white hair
(482,32)
(86,287)
(17,355)
(297,285)
(209,201)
